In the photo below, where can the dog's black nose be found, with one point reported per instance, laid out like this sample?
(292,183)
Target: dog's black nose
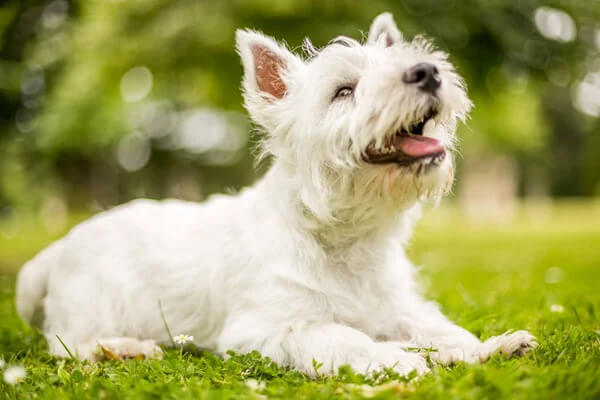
(425,75)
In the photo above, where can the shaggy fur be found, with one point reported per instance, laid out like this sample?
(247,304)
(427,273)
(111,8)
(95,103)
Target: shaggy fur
(307,264)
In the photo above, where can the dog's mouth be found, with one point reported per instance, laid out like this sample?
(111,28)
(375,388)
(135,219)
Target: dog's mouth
(407,145)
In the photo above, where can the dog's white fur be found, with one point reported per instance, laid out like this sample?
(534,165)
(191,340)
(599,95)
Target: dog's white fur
(309,263)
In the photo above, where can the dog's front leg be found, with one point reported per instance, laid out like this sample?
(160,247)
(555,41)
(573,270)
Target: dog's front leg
(423,325)
(317,347)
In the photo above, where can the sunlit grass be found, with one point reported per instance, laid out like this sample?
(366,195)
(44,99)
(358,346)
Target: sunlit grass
(539,271)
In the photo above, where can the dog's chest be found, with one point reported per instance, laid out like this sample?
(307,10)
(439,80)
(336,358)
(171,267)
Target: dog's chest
(363,304)
(368,315)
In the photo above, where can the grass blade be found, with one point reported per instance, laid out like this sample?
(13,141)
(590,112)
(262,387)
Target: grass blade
(65,346)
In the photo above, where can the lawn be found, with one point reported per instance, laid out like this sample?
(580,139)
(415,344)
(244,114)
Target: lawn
(539,271)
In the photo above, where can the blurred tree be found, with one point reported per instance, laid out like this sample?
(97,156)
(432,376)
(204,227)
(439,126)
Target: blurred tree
(108,100)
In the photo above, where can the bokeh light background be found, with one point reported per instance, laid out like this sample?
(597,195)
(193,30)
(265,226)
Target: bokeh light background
(105,101)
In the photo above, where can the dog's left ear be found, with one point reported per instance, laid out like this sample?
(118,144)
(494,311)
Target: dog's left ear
(268,69)
(384,29)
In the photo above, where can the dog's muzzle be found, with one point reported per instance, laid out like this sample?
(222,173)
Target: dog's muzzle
(407,145)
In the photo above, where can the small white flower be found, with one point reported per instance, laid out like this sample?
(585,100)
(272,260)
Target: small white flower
(557,308)
(2,363)
(14,375)
(255,385)
(183,339)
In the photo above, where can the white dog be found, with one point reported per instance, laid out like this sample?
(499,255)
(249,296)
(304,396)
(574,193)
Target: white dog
(308,264)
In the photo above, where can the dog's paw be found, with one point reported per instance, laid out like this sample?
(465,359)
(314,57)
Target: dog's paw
(391,355)
(510,344)
(125,348)
(455,354)
(411,362)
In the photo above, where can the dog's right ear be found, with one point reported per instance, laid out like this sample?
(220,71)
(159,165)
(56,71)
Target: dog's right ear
(268,68)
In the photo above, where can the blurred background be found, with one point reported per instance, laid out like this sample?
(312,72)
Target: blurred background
(105,101)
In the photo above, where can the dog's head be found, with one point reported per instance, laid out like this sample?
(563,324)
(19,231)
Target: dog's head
(360,125)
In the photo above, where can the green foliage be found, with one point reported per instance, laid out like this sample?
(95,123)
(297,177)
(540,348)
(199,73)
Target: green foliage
(487,277)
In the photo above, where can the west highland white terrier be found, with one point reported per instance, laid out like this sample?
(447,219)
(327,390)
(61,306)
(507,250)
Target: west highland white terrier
(307,264)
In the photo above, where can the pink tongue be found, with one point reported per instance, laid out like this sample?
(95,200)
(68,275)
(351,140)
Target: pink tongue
(418,146)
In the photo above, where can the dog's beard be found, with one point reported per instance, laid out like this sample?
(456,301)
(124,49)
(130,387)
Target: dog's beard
(412,161)
(405,184)
(375,191)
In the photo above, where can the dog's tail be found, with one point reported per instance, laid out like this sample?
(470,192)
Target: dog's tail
(32,284)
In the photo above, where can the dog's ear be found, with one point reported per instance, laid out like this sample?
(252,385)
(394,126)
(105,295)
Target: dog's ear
(384,30)
(268,69)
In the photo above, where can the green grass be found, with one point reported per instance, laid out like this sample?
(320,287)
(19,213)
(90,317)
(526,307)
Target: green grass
(488,277)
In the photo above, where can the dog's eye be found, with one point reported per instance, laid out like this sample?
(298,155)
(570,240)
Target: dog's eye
(344,91)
